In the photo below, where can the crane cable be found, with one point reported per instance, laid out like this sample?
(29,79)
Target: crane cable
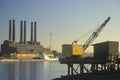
(84,35)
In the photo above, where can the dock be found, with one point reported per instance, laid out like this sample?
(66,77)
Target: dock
(104,65)
(90,69)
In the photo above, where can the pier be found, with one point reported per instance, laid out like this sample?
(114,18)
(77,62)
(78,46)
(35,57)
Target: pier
(104,65)
(91,69)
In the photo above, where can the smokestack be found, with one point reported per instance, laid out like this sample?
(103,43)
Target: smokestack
(35,31)
(9,29)
(21,31)
(13,30)
(24,32)
(31,31)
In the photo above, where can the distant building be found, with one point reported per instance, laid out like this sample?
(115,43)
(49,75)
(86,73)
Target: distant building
(22,49)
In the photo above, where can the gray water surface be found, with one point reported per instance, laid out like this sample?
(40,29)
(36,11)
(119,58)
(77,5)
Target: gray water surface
(31,70)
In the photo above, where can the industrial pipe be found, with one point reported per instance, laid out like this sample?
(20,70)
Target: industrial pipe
(9,29)
(31,31)
(21,31)
(35,31)
(13,30)
(24,32)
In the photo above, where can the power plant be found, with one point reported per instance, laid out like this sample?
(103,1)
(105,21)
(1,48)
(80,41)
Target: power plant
(23,49)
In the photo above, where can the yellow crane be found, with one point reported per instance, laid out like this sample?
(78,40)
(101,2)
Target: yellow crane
(70,50)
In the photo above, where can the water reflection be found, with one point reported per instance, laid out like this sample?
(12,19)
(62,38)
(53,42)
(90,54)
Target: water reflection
(31,70)
(11,70)
(27,71)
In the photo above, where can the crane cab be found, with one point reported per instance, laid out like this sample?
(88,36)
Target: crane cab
(70,50)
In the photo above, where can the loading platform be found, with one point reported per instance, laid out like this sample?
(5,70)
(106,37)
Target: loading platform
(91,69)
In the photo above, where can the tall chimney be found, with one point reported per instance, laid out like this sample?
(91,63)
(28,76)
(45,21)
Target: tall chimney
(9,29)
(13,30)
(24,32)
(31,31)
(21,31)
(35,31)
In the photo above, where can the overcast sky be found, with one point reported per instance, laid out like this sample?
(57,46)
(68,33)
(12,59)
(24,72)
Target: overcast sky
(68,20)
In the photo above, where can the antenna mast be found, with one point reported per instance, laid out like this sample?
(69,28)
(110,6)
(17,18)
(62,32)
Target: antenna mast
(50,43)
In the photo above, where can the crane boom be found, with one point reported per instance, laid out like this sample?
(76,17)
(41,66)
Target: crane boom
(95,34)
(71,50)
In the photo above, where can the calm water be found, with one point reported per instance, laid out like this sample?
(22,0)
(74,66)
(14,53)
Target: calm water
(31,70)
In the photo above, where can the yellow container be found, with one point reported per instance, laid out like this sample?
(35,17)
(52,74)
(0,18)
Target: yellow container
(69,50)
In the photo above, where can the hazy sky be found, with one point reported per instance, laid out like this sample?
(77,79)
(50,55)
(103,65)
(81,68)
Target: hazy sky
(68,20)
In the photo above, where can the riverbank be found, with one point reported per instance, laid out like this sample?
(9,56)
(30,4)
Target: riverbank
(22,60)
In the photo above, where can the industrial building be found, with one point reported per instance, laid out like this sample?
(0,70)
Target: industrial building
(106,50)
(23,49)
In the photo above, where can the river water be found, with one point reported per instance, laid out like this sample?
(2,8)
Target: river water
(47,70)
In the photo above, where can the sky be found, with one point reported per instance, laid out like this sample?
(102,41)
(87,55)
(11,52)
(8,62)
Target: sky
(67,20)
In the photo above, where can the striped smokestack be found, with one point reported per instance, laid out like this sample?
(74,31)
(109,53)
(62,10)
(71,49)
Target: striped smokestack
(21,31)
(9,29)
(35,38)
(24,32)
(13,30)
(31,31)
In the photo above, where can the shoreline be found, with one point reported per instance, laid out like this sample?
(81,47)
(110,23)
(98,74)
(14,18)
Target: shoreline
(23,60)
